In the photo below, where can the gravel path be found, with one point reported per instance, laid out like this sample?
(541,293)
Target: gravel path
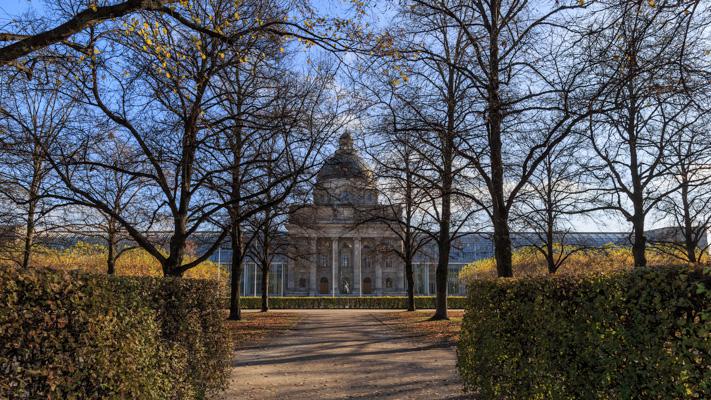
(344,354)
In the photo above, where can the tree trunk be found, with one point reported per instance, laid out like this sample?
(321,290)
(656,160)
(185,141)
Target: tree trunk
(409,274)
(236,276)
(111,244)
(447,177)
(265,288)
(502,236)
(689,235)
(173,270)
(176,248)
(235,229)
(550,237)
(441,279)
(443,245)
(29,237)
(639,246)
(31,211)
(550,259)
(502,248)
(637,196)
(111,256)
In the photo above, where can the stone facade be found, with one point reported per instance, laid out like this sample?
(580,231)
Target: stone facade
(336,246)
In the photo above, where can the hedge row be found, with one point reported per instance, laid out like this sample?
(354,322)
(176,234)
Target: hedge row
(80,336)
(644,334)
(366,302)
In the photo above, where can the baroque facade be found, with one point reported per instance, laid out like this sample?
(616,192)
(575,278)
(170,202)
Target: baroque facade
(336,246)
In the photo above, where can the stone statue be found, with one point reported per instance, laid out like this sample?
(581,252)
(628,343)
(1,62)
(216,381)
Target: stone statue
(346,286)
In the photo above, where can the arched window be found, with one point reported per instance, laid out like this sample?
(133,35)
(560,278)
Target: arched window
(323,285)
(367,286)
(388,283)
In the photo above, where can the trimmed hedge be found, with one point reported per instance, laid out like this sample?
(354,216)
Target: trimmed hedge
(81,336)
(366,302)
(644,334)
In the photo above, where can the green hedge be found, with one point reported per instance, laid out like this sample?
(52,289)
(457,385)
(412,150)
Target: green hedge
(80,336)
(366,302)
(637,335)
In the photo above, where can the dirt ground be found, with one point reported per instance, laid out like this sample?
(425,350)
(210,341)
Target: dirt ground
(344,354)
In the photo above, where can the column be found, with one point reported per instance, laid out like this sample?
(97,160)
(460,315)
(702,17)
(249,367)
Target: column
(245,283)
(379,276)
(255,279)
(313,284)
(401,277)
(290,268)
(427,279)
(334,264)
(357,272)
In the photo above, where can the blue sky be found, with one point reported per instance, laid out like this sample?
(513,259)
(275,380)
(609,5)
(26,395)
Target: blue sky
(12,8)
(383,12)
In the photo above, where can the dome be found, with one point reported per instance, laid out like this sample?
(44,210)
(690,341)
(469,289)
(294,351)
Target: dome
(345,163)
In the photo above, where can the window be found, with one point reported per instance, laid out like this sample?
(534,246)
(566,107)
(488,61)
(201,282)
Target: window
(388,283)
(322,260)
(302,283)
(388,263)
(344,261)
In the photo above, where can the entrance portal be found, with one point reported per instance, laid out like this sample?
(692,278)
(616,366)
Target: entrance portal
(323,286)
(367,286)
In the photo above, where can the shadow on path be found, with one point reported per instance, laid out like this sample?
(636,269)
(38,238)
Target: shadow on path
(344,354)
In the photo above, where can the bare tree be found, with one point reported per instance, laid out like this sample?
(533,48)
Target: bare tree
(393,151)
(432,97)
(33,117)
(124,193)
(555,194)
(263,105)
(267,225)
(154,88)
(525,83)
(645,59)
(689,207)
(397,169)
(24,37)
(23,43)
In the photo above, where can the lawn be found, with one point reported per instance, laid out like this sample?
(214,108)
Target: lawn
(418,325)
(256,327)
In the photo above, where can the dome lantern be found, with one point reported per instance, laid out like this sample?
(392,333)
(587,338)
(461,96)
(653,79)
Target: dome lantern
(344,177)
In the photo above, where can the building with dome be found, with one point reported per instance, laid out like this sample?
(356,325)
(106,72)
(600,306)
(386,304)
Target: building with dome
(336,246)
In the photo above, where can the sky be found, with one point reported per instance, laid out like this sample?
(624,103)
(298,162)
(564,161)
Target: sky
(10,8)
(382,13)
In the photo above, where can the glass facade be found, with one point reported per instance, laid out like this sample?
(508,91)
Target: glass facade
(465,249)
(252,279)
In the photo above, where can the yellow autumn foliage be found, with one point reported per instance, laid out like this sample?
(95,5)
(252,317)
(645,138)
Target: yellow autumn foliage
(91,258)
(527,261)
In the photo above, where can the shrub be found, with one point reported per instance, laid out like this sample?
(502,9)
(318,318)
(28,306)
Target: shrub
(366,302)
(76,335)
(636,334)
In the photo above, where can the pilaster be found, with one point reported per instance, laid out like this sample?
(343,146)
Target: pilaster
(313,284)
(357,269)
